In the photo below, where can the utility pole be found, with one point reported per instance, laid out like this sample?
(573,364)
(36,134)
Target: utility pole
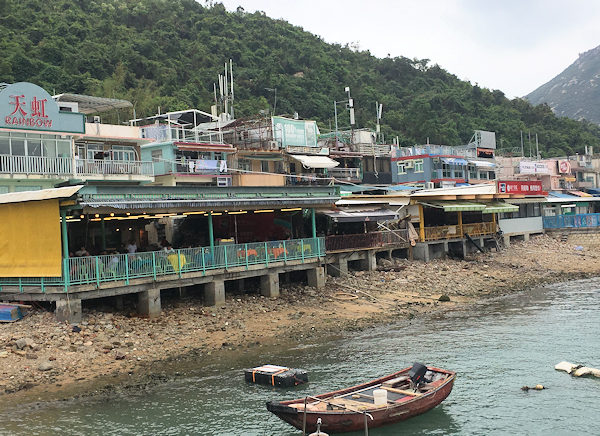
(537,147)
(522,151)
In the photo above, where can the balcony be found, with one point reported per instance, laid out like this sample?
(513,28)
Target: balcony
(62,167)
(93,167)
(454,231)
(373,149)
(46,166)
(366,240)
(96,271)
(348,174)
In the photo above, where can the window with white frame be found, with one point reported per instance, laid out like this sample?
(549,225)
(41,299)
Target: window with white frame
(419,166)
(401,168)
(123,152)
(446,171)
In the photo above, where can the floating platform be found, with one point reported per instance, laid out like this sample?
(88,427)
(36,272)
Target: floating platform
(10,313)
(273,375)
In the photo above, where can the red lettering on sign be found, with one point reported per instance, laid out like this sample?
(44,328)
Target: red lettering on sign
(38,108)
(18,102)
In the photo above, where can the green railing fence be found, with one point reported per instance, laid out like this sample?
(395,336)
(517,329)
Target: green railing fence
(94,270)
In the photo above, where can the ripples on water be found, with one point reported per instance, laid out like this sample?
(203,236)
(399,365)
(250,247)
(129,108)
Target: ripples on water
(497,347)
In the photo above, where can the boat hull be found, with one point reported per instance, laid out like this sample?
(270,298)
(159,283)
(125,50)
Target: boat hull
(345,421)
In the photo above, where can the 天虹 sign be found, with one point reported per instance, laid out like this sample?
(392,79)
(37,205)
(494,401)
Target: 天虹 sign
(26,106)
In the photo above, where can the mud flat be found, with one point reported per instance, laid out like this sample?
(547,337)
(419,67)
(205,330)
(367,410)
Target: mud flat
(42,359)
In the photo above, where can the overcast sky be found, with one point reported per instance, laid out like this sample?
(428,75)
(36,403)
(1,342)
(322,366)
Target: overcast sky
(511,45)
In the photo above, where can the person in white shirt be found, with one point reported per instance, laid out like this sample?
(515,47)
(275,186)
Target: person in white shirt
(131,247)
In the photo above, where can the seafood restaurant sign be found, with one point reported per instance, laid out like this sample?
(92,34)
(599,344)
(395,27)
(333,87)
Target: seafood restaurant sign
(27,106)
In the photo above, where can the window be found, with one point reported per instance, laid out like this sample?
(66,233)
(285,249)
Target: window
(483,175)
(459,173)
(157,155)
(419,166)
(401,168)
(446,171)
(264,166)
(244,165)
(4,145)
(123,152)
(472,172)
(491,175)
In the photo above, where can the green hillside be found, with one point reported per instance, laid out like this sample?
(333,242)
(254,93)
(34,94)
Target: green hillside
(168,53)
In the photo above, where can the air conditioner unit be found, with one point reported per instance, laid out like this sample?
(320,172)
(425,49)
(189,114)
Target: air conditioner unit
(96,119)
(429,185)
(409,164)
(273,145)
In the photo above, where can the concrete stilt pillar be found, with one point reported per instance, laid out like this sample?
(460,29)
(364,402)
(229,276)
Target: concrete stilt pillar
(316,277)
(370,263)
(506,239)
(526,237)
(119,305)
(149,303)
(421,252)
(214,293)
(269,285)
(339,268)
(68,310)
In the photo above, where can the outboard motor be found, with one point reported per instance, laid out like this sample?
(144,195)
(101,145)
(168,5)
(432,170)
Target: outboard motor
(417,375)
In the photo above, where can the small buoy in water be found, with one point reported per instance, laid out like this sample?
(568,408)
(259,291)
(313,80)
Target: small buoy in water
(318,432)
(535,388)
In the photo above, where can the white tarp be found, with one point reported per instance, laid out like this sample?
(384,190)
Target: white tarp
(315,161)
(41,194)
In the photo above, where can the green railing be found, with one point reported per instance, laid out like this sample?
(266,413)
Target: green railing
(95,270)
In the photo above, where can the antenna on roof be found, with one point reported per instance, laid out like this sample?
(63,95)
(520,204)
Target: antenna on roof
(231,77)
(379,110)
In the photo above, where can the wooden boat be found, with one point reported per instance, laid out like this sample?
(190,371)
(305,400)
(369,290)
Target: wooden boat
(409,392)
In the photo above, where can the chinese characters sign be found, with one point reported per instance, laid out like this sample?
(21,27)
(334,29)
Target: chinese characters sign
(533,187)
(527,167)
(27,106)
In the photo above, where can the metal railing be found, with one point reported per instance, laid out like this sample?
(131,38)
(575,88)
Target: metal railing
(213,167)
(63,166)
(35,165)
(345,173)
(572,221)
(96,270)
(88,167)
(366,240)
(454,231)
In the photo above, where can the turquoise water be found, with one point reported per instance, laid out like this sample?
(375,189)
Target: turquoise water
(496,347)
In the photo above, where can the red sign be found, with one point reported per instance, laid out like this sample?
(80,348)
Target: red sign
(564,166)
(533,187)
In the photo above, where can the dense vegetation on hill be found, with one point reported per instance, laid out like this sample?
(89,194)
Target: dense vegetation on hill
(168,53)
(574,93)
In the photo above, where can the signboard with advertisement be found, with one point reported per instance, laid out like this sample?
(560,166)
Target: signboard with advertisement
(528,167)
(295,132)
(532,187)
(564,166)
(26,106)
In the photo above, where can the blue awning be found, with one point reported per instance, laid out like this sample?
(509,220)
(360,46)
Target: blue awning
(454,161)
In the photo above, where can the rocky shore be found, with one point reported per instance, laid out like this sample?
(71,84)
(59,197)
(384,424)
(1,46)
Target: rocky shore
(41,358)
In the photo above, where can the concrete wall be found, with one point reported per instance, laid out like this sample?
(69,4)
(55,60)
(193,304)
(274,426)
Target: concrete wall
(521,225)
